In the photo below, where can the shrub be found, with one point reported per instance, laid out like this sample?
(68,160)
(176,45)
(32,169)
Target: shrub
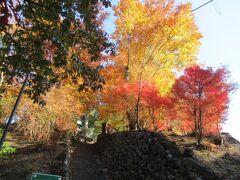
(6,150)
(38,123)
(6,105)
(38,129)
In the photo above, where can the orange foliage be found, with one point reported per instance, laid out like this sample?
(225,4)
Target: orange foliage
(60,113)
(153,109)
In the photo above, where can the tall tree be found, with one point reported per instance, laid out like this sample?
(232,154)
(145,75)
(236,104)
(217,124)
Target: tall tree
(204,94)
(39,41)
(141,106)
(155,39)
(41,37)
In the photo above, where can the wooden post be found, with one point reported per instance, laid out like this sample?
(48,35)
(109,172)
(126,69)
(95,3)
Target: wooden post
(104,125)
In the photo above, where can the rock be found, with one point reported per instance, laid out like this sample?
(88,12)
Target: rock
(169,156)
(141,177)
(188,152)
(149,177)
(144,155)
(175,163)
(156,175)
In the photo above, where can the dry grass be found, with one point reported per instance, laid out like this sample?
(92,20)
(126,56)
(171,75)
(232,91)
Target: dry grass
(223,160)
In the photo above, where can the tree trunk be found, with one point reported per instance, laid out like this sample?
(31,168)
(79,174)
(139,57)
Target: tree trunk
(153,119)
(200,127)
(137,109)
(104,129)
(200,130)
(131,120)
(127,71)
(195,120)
(220,134)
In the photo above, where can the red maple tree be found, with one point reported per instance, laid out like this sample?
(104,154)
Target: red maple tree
(203,95)
(142,105)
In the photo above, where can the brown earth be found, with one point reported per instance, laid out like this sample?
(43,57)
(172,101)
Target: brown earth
(30,158)
(224,161)
(85,163)
(87,160)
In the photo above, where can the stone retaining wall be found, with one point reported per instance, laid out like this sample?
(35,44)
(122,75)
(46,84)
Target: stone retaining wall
(144,155)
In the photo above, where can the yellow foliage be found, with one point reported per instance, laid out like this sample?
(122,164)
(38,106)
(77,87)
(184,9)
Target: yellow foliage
(61,111)
(156,38)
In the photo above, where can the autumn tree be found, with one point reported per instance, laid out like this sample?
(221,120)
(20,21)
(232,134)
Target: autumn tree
(120,100)
(39,40)
(141,106)
(203,94)
(39,37)
(155,39)
(161,109)
(58,116)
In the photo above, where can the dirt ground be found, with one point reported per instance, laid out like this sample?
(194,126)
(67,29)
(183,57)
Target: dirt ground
(27,159)
(85,162)
(224,161)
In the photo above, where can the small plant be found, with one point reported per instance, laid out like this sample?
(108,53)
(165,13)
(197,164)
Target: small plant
(6,150)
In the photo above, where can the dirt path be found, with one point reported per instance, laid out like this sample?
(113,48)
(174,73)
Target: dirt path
(85,162)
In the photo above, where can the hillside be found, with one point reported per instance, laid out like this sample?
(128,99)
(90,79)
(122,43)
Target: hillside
(147,155)
(126,155)
(224,161)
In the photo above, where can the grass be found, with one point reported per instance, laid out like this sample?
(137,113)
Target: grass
(223,160)
(6,149)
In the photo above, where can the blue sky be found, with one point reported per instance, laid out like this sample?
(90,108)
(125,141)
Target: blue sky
(220,26)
